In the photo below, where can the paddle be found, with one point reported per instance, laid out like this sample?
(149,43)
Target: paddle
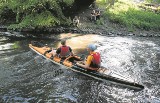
(82,57)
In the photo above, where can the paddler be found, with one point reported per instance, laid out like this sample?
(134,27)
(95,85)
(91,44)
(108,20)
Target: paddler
(93,60)
(63,51)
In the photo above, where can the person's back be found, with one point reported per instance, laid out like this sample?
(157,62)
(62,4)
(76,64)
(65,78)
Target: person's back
(64,51)
(95,60)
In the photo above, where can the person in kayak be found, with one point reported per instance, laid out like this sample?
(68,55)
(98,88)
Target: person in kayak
(63,51)
(93,60)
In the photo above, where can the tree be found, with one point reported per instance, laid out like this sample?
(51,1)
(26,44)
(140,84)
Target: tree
(36,13)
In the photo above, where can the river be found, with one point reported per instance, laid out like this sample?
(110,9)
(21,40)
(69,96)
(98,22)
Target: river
(26,77)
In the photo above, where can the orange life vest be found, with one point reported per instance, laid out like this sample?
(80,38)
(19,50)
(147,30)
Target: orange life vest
(96,61)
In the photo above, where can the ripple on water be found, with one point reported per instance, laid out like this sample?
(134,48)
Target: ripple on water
(30,78)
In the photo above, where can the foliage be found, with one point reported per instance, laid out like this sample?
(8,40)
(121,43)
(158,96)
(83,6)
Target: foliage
(44,19)
(102,1)
(131,16)
(152,1)
(107,3)
(100,21)
(68,2)
(36,13)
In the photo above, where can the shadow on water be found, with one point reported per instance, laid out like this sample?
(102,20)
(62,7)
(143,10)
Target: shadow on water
(27,77)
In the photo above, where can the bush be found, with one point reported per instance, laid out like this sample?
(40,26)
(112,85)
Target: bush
(44,19)
(100,21)
(36,13)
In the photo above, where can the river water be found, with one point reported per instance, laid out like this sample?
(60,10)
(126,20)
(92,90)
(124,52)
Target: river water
(26,77)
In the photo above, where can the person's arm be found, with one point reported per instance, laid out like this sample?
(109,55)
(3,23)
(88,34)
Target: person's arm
(57,52)
(87,63)
(91,14)
(71,52)
(83,66)
(55,55)
(98,13)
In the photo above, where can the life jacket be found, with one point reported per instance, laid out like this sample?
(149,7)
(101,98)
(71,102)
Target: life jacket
(96,61)
(64,51)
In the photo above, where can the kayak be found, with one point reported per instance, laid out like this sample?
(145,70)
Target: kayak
(102,73)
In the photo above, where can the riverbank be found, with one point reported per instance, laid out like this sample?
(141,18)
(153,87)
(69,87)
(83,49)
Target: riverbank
(104,26)
(113,29)
(86,27)
(107,26)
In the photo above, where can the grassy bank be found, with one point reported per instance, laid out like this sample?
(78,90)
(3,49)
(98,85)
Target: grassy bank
(131,14)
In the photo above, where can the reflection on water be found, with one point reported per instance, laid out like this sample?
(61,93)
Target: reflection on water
(28,78)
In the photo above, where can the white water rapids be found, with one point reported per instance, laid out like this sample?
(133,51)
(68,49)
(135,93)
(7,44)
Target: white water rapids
(28,78)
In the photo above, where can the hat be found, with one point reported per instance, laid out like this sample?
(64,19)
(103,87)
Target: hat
(92,47)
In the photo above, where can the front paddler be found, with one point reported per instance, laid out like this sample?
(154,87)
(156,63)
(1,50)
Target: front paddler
(93,60)
(63,51)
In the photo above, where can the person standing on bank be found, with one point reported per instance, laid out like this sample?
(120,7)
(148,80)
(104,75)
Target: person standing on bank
(97,14)
(93,61)
(64,51)
(93,15)
(76,21)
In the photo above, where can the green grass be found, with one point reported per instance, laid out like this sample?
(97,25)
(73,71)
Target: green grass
(128,14)
(137,18)
(152,1)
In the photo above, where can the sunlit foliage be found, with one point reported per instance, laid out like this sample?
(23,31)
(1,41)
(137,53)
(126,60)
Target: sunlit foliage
(35,13)
(129,14)
(153,1)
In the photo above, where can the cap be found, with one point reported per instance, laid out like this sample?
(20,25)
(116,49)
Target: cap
(92,47)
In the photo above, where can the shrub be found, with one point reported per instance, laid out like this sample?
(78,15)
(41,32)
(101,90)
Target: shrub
(36,13)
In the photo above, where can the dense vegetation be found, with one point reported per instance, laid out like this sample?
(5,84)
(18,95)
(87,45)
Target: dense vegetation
(142,15)
(41,14)
(34,13)
(153,1)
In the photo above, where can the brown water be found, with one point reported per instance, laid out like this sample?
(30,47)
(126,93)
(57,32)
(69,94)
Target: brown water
(28,78)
